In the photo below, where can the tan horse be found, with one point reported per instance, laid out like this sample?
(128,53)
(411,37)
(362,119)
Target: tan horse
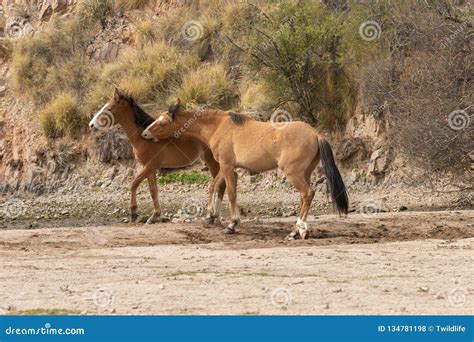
(238,141)
(171,153)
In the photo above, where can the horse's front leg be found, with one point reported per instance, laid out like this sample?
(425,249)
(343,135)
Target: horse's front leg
(231,183)
(154,196)
(133,189)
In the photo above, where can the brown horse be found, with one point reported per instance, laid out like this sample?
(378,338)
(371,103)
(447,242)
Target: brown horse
(238,141)
(171,153)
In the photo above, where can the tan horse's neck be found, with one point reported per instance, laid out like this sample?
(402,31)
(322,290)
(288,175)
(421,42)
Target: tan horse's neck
(201,125)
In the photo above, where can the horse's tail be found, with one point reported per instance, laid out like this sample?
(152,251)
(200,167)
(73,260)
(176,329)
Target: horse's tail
(333,177)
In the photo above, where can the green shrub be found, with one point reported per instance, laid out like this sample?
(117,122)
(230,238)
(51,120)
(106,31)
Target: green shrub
(294,48)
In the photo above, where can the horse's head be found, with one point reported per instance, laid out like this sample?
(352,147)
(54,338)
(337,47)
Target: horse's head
(163,127)
(111,112)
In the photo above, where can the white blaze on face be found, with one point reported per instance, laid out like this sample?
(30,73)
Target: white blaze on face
(102,119)
(146,133)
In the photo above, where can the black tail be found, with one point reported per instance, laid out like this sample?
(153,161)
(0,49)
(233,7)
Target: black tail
(333,177)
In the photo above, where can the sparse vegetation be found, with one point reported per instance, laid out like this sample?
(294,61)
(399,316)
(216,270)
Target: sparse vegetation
(95,10)
(147,74)
(45,311)
(145,32)
(60,116)
(187,177)
(306,57)
(5,49)
(48,63)
(130,4)
(208,84)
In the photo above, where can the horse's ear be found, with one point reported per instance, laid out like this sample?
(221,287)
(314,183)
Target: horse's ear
(117,94)
(173,110)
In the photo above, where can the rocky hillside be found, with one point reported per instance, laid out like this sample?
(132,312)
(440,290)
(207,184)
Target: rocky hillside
(360,110)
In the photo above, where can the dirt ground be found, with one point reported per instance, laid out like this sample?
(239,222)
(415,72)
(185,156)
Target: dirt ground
(385,263)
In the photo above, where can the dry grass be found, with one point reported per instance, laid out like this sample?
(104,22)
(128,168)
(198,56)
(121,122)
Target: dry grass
(145,33)
(5,49)
(51,62)
(254,97)
(146,74)
(60,116)
(95,10)
(209,84)
(130,4)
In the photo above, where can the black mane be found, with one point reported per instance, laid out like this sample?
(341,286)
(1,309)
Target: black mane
(237,118)
(142,118)
(174,110)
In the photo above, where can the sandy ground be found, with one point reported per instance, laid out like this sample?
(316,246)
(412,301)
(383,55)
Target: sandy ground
(387,263)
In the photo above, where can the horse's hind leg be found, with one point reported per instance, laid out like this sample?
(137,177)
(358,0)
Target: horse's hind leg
(154,196)
(216,188)
(231,182)
(301,182)
(216,194)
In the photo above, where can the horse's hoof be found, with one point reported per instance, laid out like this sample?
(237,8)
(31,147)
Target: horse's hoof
(303,232)
(292,236)
(133,218)
(229,230)
(152,219)
(209,220)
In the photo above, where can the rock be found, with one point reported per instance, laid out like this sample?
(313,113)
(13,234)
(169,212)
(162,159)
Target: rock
(113,145)
(379,161)
(109,52)
(3,90)
(52,6)
(375,155)
(18,27)
(351,147)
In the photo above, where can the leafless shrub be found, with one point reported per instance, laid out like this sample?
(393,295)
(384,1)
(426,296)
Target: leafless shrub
(424,86)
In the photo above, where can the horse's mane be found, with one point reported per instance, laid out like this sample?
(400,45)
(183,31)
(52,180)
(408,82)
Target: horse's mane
(142,118)
(175,109)
(237,118)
